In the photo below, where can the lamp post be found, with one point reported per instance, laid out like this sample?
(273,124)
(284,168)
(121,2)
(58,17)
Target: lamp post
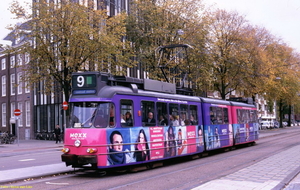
(280,107)
(180,32)
(16,104)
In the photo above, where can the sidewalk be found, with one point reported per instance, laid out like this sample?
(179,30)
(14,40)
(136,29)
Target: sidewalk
(29,144)
(275,171)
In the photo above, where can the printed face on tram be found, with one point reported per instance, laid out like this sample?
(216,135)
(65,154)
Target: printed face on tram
(200,133)
(179,136)
(117,143)
(141,138)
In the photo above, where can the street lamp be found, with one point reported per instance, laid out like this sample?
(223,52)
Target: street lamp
(180,32)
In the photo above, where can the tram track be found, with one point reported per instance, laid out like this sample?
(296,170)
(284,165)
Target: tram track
(185,168)
(218,158)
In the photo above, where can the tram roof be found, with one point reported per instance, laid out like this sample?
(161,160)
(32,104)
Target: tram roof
(215,101)
(110,91)
(242,104)
(108,85)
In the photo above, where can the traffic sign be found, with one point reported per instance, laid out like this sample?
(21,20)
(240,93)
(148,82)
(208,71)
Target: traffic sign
(65,105)
(17,112)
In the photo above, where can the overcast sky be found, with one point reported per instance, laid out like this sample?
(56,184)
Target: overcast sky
(6,18)
(280,17)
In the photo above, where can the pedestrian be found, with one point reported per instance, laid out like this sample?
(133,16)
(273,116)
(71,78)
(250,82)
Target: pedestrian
(57,133)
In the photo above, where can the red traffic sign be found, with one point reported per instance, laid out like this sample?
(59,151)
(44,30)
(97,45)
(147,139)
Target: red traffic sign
(65,105)
(17,112)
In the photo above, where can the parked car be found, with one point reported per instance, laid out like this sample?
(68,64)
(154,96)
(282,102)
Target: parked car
(268,124)
(264,124)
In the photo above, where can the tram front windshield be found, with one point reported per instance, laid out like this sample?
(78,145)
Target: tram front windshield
(90,114)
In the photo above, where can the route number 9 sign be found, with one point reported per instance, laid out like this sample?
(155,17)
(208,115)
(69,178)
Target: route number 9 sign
(84,81)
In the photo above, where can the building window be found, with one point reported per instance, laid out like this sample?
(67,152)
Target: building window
(20,107)
(3,64)
(27,87)
(19,59)
(12,62)
(12,110)
(17,39)
(3,78)
(27,58)
(27,113)
(19,82)
(12,84)
(4,115)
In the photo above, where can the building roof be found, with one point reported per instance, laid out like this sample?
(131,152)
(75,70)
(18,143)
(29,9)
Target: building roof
(25,28)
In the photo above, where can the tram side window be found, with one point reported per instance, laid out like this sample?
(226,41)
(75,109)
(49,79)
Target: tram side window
(184,118)
(243,116)
(126,113)
(239,116)
(193,115)
(162,114)
(173,111)
(213,119)
(247,116)
(216,115)
(112,115)
(225,115)
(253,116)
(148,113)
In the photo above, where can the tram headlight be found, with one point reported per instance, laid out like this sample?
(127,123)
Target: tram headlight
(91,150)
(77,143)
(65,150)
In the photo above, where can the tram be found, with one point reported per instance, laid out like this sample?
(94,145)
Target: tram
(119,121)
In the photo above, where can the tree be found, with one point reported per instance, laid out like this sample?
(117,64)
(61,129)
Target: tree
(152,24)
(67,37)
(259,62)
(227,51)
(283,84)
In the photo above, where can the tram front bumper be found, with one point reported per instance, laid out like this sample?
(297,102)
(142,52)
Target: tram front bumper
(79,160)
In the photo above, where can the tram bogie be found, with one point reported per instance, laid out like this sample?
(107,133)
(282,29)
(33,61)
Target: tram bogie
(121,121)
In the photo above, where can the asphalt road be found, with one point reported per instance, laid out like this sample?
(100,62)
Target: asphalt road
(29,158)
(181,173)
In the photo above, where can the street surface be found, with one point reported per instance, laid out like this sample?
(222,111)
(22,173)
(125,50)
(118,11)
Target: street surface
(184,173)
(29,158)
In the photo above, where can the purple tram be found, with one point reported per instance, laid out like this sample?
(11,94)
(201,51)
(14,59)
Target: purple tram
(118,121)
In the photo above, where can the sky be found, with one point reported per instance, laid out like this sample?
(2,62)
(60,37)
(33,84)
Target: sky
(280,17)
(6,18)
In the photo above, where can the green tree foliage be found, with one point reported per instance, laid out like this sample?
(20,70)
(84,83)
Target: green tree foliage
(68,37)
